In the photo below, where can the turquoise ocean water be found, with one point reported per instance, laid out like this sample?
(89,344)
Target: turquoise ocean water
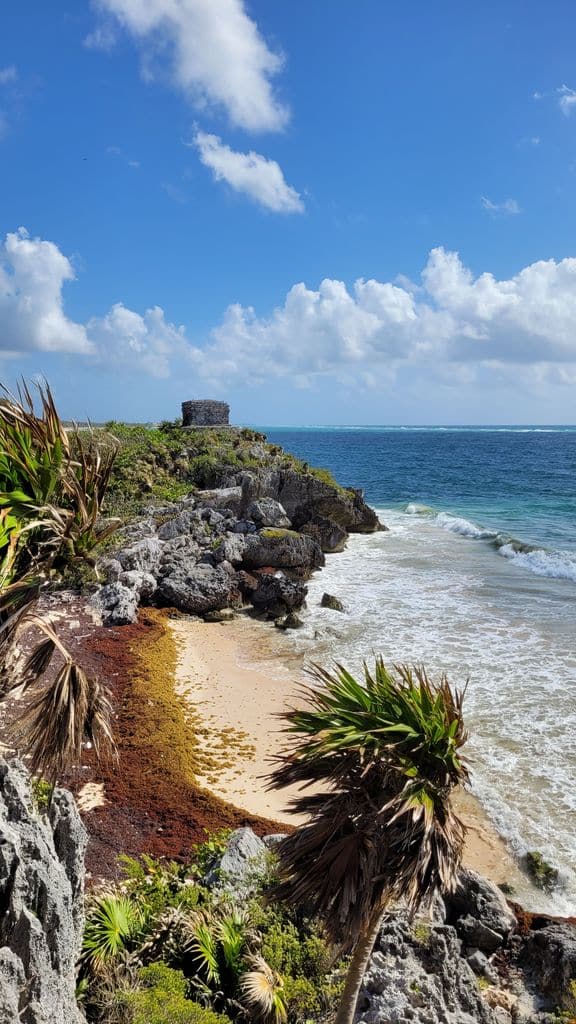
(477,577)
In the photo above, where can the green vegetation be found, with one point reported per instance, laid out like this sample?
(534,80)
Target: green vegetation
(382,758)
(52,486)
(41,794)
(162,948)
(164,463)
(160,998)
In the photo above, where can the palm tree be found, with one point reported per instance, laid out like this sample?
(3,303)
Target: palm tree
(380,760)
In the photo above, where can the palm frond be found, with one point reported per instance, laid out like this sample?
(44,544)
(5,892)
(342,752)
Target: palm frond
(262,993)
(385,755)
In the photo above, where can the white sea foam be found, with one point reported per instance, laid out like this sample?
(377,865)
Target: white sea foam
(560,565)
(420,594)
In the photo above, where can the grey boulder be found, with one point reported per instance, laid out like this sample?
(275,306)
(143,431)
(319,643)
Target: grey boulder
(240,869)
(268,512)
(117,604)
(477,898)
(282,549)
(220,498)
(276,595)
(144,556)
(203,588)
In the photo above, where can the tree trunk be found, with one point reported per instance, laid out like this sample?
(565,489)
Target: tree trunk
(357,969)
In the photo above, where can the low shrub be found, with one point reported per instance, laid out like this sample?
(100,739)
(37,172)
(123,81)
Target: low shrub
(161,998)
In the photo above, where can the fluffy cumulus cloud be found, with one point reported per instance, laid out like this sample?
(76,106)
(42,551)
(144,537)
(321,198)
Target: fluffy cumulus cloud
(455,324)
(217,55)
(260,179)
(33,273)
(567,99)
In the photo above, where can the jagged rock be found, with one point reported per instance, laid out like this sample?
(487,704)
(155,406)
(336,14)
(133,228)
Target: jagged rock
(329,535)
(282,549)
(117,604)
(305,495)
(222,615)
(276,595)
(481,965)
(231,549)
(550,953)
(477,935)
(240,868)
(329,601)
(220,498)
(179,555)
(412,982)
(110,569)
(142,583)
(244,526)
(268,512)
(41,888)
(180,525)
(480,899)
(201,589)
(144,556)
(290,621)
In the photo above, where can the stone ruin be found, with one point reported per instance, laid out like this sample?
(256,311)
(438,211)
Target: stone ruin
(205,413)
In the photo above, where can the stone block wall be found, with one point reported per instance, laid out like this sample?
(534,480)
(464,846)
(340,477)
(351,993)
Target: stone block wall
(205,413)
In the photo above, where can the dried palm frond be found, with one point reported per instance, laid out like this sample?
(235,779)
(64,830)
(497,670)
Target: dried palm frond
(52,485)
(262,992)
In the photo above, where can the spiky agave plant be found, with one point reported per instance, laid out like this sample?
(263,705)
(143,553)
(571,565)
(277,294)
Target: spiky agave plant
(51,490)
(381,758)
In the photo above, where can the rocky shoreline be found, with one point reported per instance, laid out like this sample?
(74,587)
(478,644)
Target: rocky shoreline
(252,541)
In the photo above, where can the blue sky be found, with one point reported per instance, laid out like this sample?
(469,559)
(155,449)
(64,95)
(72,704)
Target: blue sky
(326,212)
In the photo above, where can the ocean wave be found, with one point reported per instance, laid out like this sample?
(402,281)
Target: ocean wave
(555,564)
(560,565)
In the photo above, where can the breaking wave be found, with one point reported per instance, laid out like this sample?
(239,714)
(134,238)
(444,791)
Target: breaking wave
(555,564)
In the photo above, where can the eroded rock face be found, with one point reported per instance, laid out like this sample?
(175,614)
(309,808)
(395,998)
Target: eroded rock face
(276,595)
(202,589)
(41,894)
(420,981)
(282,549)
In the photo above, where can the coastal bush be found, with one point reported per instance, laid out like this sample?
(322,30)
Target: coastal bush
(160,997)
(263,961)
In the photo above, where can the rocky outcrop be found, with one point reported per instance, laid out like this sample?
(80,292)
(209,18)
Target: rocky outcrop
(41,889)
(332,602)
(201,554)
(304,495)
(550,955)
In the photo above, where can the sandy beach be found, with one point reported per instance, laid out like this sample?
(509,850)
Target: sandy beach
(236,685)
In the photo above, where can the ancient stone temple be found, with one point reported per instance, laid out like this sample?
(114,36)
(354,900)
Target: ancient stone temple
(205,413)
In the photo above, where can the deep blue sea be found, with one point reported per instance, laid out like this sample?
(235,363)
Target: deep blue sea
(476,576)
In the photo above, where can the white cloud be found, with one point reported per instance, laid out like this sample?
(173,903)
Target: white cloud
(32,274)
(509,207)
(454,326)
(147,342)
(8,74)
(216,55)
(260,179)
(567,99)
(32,316)
(450,329)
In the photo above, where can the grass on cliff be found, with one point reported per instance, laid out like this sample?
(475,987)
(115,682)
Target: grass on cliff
(164,463)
